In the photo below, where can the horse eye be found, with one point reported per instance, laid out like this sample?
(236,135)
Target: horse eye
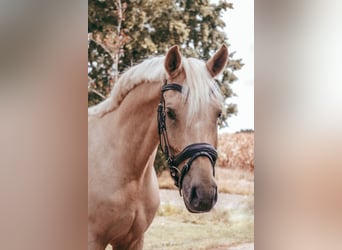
(171,114)
(219,115)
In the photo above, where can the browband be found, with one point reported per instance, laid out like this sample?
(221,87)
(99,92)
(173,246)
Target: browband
(172,86)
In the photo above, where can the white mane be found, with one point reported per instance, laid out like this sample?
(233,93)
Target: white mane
(201,87)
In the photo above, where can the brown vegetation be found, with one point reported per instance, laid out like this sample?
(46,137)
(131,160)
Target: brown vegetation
(235,181)
(236,151)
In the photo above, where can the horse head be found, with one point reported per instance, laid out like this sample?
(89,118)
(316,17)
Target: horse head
(190,106)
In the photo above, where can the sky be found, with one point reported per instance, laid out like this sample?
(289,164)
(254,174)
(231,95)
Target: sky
(240,31)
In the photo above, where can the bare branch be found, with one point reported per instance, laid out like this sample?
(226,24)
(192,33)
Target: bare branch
(96,92)
(90,38)
(117,49)
(90,89)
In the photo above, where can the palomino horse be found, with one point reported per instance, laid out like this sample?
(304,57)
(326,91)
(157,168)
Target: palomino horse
(123,194)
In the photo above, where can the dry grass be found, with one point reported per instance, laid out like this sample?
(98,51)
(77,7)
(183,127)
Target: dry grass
(235,181)
(176,229)
(236,151)
(235,174)
(180,213)
(165,181)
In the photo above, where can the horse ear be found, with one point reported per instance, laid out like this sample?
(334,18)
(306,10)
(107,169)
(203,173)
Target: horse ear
(218,62)
(173,61)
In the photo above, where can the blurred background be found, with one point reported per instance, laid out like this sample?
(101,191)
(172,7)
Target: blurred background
(43,129)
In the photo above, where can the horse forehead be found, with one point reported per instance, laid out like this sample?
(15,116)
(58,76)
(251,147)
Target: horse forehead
(201,119)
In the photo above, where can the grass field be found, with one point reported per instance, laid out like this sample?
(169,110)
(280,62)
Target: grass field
(177,229)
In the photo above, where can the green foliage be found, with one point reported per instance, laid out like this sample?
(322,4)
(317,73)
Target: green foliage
(124,33)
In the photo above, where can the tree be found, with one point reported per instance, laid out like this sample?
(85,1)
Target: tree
(123,33)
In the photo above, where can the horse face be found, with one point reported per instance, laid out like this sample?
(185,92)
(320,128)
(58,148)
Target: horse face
(194,121)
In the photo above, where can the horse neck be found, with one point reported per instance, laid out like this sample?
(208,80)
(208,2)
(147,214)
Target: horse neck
(135,131)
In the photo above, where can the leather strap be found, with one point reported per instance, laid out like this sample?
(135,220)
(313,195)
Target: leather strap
(172,86)
(190,150)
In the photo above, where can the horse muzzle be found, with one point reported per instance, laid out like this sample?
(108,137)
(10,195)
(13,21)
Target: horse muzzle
(200,199)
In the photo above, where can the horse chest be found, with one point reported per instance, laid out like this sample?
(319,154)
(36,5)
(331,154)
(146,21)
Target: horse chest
(125,214)
(136,214)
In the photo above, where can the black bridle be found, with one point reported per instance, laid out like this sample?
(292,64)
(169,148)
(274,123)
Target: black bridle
(190,152)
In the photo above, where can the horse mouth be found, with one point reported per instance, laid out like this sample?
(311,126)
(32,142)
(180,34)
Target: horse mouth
(190,209)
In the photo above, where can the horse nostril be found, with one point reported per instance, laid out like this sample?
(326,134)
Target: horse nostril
(215,195)
(197,193)
(193,194)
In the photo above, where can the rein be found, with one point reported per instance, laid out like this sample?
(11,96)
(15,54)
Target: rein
(190,152)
